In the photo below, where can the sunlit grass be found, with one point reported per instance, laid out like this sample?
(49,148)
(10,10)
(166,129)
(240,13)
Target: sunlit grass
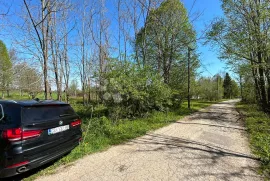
(258,125)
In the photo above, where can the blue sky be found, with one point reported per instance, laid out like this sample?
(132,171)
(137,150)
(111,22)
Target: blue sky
(209,9)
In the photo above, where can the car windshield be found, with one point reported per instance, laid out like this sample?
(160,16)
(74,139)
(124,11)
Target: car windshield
(43,113)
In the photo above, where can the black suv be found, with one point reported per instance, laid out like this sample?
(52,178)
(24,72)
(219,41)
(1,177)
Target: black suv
(33,133)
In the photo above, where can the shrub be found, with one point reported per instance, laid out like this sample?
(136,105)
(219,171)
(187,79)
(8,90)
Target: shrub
(129,91)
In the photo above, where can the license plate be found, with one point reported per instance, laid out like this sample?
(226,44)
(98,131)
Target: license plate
(58,129)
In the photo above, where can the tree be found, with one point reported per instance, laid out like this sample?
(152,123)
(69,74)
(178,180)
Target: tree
(227,85)
(246,23)
(5,68)
(63,57)
(73,87)
(235,89)
(209,88)
(164,40)
(132,91)
(41,25)
(219,87)
(27,79)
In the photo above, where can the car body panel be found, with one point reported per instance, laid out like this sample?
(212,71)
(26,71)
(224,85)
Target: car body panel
(43,148)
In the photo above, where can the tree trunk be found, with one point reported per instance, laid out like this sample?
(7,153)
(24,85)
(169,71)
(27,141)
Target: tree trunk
(8,95)
(241,87)
(54,51)
(45,51)
(45,77)
(89,90)
(268,91)
(262,88)
(189,49)
(262,82)
(83,91)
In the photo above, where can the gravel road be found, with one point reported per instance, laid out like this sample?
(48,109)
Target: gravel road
(209,145)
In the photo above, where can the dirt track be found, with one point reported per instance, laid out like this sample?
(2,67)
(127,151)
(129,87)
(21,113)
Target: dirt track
(208,145)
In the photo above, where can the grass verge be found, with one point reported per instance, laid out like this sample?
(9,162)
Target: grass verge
(103,133)
(258,126)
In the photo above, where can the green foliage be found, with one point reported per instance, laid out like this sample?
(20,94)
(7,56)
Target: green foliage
(258,124)
(130,91)
(227,85)
(209,88)
(231,88)
(248,90)
(73,88)
(242,37)
(5,67)
(235,90)
(163,42)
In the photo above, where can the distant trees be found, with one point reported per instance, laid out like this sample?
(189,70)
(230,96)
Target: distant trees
(231,89)
(5,69)
(209,88)
(27,79)
(243,39)
(73,88)
(15,75)
(227,85)
(215,88)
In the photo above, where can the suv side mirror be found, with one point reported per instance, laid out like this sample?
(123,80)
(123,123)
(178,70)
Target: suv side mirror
(2,115)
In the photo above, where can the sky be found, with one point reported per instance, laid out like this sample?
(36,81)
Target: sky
(209,9)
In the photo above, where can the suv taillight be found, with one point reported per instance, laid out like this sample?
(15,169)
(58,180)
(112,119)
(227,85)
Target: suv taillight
(77,122)
(17,134)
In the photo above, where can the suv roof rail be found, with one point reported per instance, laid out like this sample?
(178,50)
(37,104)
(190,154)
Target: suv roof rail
(10,101)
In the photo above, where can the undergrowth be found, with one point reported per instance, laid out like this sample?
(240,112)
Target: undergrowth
(258,126)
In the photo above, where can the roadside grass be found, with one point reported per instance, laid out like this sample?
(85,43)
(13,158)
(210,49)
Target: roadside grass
(101,133)
(258,126)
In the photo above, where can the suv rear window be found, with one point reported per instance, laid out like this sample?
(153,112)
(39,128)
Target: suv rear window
(43,113)
(12,114)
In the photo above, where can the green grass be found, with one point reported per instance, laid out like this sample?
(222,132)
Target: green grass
(258,125)
(103,133)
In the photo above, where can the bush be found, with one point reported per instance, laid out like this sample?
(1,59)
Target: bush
(129,91)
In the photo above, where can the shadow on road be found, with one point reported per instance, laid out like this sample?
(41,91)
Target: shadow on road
(212,125)
(175,142)
(197,155)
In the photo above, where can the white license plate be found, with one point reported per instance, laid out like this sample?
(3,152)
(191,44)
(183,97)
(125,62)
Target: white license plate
(58,129)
